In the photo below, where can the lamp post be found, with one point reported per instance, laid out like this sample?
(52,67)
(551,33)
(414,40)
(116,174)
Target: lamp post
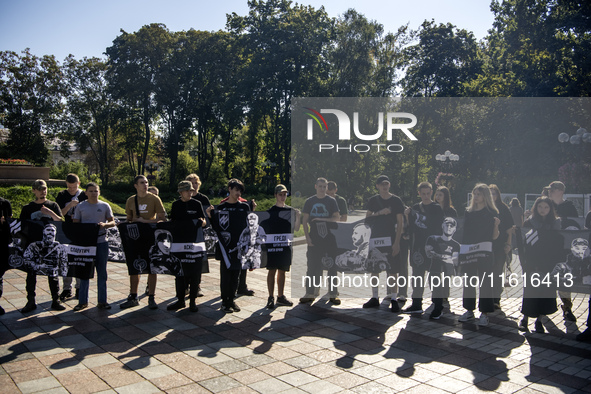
(151,166)
(582,135)
(447,160)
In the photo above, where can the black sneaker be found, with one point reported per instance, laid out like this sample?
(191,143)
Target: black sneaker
(372,303)
(65,295)
(585,336)
(245,292)
(57,306)
(568,314)
(79,307)
(31,306)
(436,314)
(152,303)
(523,326)
(103,305)
(282,301)
(176,306)
(394,306)
(271,303)
(130,303)
(413,309)
(235,307)
(192,306)
(227,308)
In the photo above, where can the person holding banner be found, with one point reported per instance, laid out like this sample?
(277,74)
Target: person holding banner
(427,217)
(230,267)
(99,212)
(386,213)
(481,227)
(5,216)
(46,210)
(564,209)
(187,208)
(318,209)
(502,245)
(279,259)
(541,260)
(143,207)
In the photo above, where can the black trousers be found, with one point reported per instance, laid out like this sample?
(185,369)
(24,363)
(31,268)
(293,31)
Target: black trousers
(192,279)
(54,286)
(229,279)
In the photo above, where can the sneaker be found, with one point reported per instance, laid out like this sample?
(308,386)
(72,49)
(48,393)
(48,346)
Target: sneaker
(523,326)
(282,301)
(483,321)
(176,306)
(436,314)
(468,315)
(307,300)
(539,327)
(57,306)
(79,307)
(227,308)
(394,306)
(271,303)
(130,303)
(152,303)
(192,306)
(199,292)
(245,292)
(103,305)
(401,298)
(372,303)
(568,314)
(414,308)
(235,307)
(335,301)
(65,295)
(31,306)
(585,336)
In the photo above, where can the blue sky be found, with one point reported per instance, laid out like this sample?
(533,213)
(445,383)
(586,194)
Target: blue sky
(87,28)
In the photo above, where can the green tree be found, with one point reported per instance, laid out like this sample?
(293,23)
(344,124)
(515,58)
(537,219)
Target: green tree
(31,92)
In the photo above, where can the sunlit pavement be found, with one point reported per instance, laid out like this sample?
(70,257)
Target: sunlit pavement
(315,349)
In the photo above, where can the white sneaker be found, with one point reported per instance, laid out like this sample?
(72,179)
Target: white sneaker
(483,321)
(468,315)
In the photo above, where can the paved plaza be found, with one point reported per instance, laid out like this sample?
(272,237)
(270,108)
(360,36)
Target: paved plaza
(302,349)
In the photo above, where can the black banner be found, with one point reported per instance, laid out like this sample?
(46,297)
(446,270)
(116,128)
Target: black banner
(54,248)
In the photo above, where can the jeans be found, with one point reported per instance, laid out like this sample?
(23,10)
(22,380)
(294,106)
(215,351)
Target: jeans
(102,254)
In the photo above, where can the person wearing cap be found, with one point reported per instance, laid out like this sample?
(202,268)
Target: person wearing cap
(46,210)
(279,261)
(332,190)
(564,209)
(385,210)
(92,210)
(143,207)
(187,208)
(67,199)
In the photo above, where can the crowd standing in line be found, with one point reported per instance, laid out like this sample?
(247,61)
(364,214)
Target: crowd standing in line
(425,230)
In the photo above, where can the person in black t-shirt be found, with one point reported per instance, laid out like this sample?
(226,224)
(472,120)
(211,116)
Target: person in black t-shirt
(5,216)
(279,260)
(67,200)
(187,208)
(443,198)
(332,190)
(385,213)
(41,209)
(502,245)
(425,220)
(564,209)
(319,210)
(229,276)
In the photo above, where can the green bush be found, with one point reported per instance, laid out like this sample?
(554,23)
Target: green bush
(73,167)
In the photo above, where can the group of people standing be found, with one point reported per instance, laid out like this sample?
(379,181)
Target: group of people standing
(421,237)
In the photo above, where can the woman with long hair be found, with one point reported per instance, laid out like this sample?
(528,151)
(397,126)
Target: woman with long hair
(502,245)
(443,198)
(540,301)
(481,225)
